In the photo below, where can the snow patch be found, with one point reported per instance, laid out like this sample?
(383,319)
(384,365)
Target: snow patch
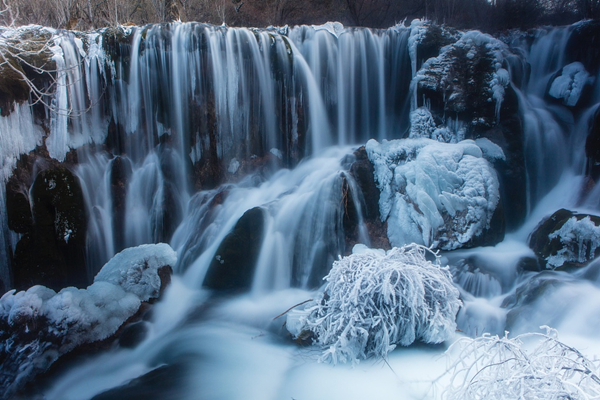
(569,85)
(234,165)
(335,28)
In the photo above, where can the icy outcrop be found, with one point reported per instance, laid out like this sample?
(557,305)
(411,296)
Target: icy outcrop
(567,239)
(375,300)
(440,195)
(569,85)
(468,77)
(38,326)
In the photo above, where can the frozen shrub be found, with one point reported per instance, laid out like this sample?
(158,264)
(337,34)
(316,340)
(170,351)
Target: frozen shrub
(529,366)
(375,300)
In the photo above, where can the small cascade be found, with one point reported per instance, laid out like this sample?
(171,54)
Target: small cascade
(555,134)
(235,146)
(303,230)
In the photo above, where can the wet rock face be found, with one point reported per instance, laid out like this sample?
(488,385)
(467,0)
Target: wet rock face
(52,251)
(584,45)
(362,171)
(566,239)
(235,260)
(592,148)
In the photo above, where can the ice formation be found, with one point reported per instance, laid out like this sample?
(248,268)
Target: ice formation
(39,325)
(580,239)
(570,83)
(374,300)
(436,194)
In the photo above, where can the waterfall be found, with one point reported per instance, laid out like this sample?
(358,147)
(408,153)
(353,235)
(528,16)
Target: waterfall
(236,147)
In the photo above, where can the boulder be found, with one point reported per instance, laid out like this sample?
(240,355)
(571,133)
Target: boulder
(566,239)
(38,326)
(235,260)
(444,196)
(465,82)
(584,45)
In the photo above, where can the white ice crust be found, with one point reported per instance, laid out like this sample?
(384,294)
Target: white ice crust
(436,194)
(570,83)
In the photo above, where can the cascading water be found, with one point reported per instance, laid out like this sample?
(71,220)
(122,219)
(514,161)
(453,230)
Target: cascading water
(274,113)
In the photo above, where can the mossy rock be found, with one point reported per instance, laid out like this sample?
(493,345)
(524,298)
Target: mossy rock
(235,260)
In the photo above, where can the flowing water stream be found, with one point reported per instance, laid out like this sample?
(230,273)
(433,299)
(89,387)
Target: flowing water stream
(303,99)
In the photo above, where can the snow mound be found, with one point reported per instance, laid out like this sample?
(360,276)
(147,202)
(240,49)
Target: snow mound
(570,83)
(436,194)
(335,28)
(136,269)
(580,239)
(374,300)
(39,325)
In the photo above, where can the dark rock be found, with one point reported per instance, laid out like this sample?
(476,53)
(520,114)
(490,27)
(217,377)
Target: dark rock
(508,134)
(235,259)
(529,264)
(120,173)
(164,382)
(53,254)
(574,248)
(133,334)
(592,148)
(584,45)
(18,209)
(361,169)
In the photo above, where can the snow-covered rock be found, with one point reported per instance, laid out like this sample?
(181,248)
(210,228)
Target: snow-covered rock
(436,194)
(375,300)
(569,84)
(38,326)
(467,79)
(567,239)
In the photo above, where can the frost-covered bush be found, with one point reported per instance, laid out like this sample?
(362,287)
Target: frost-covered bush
(375,300)
(493,367)
(440,195)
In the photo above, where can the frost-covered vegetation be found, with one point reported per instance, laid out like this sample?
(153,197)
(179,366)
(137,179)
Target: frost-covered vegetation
(375,300)
(436,194)
(530,366)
